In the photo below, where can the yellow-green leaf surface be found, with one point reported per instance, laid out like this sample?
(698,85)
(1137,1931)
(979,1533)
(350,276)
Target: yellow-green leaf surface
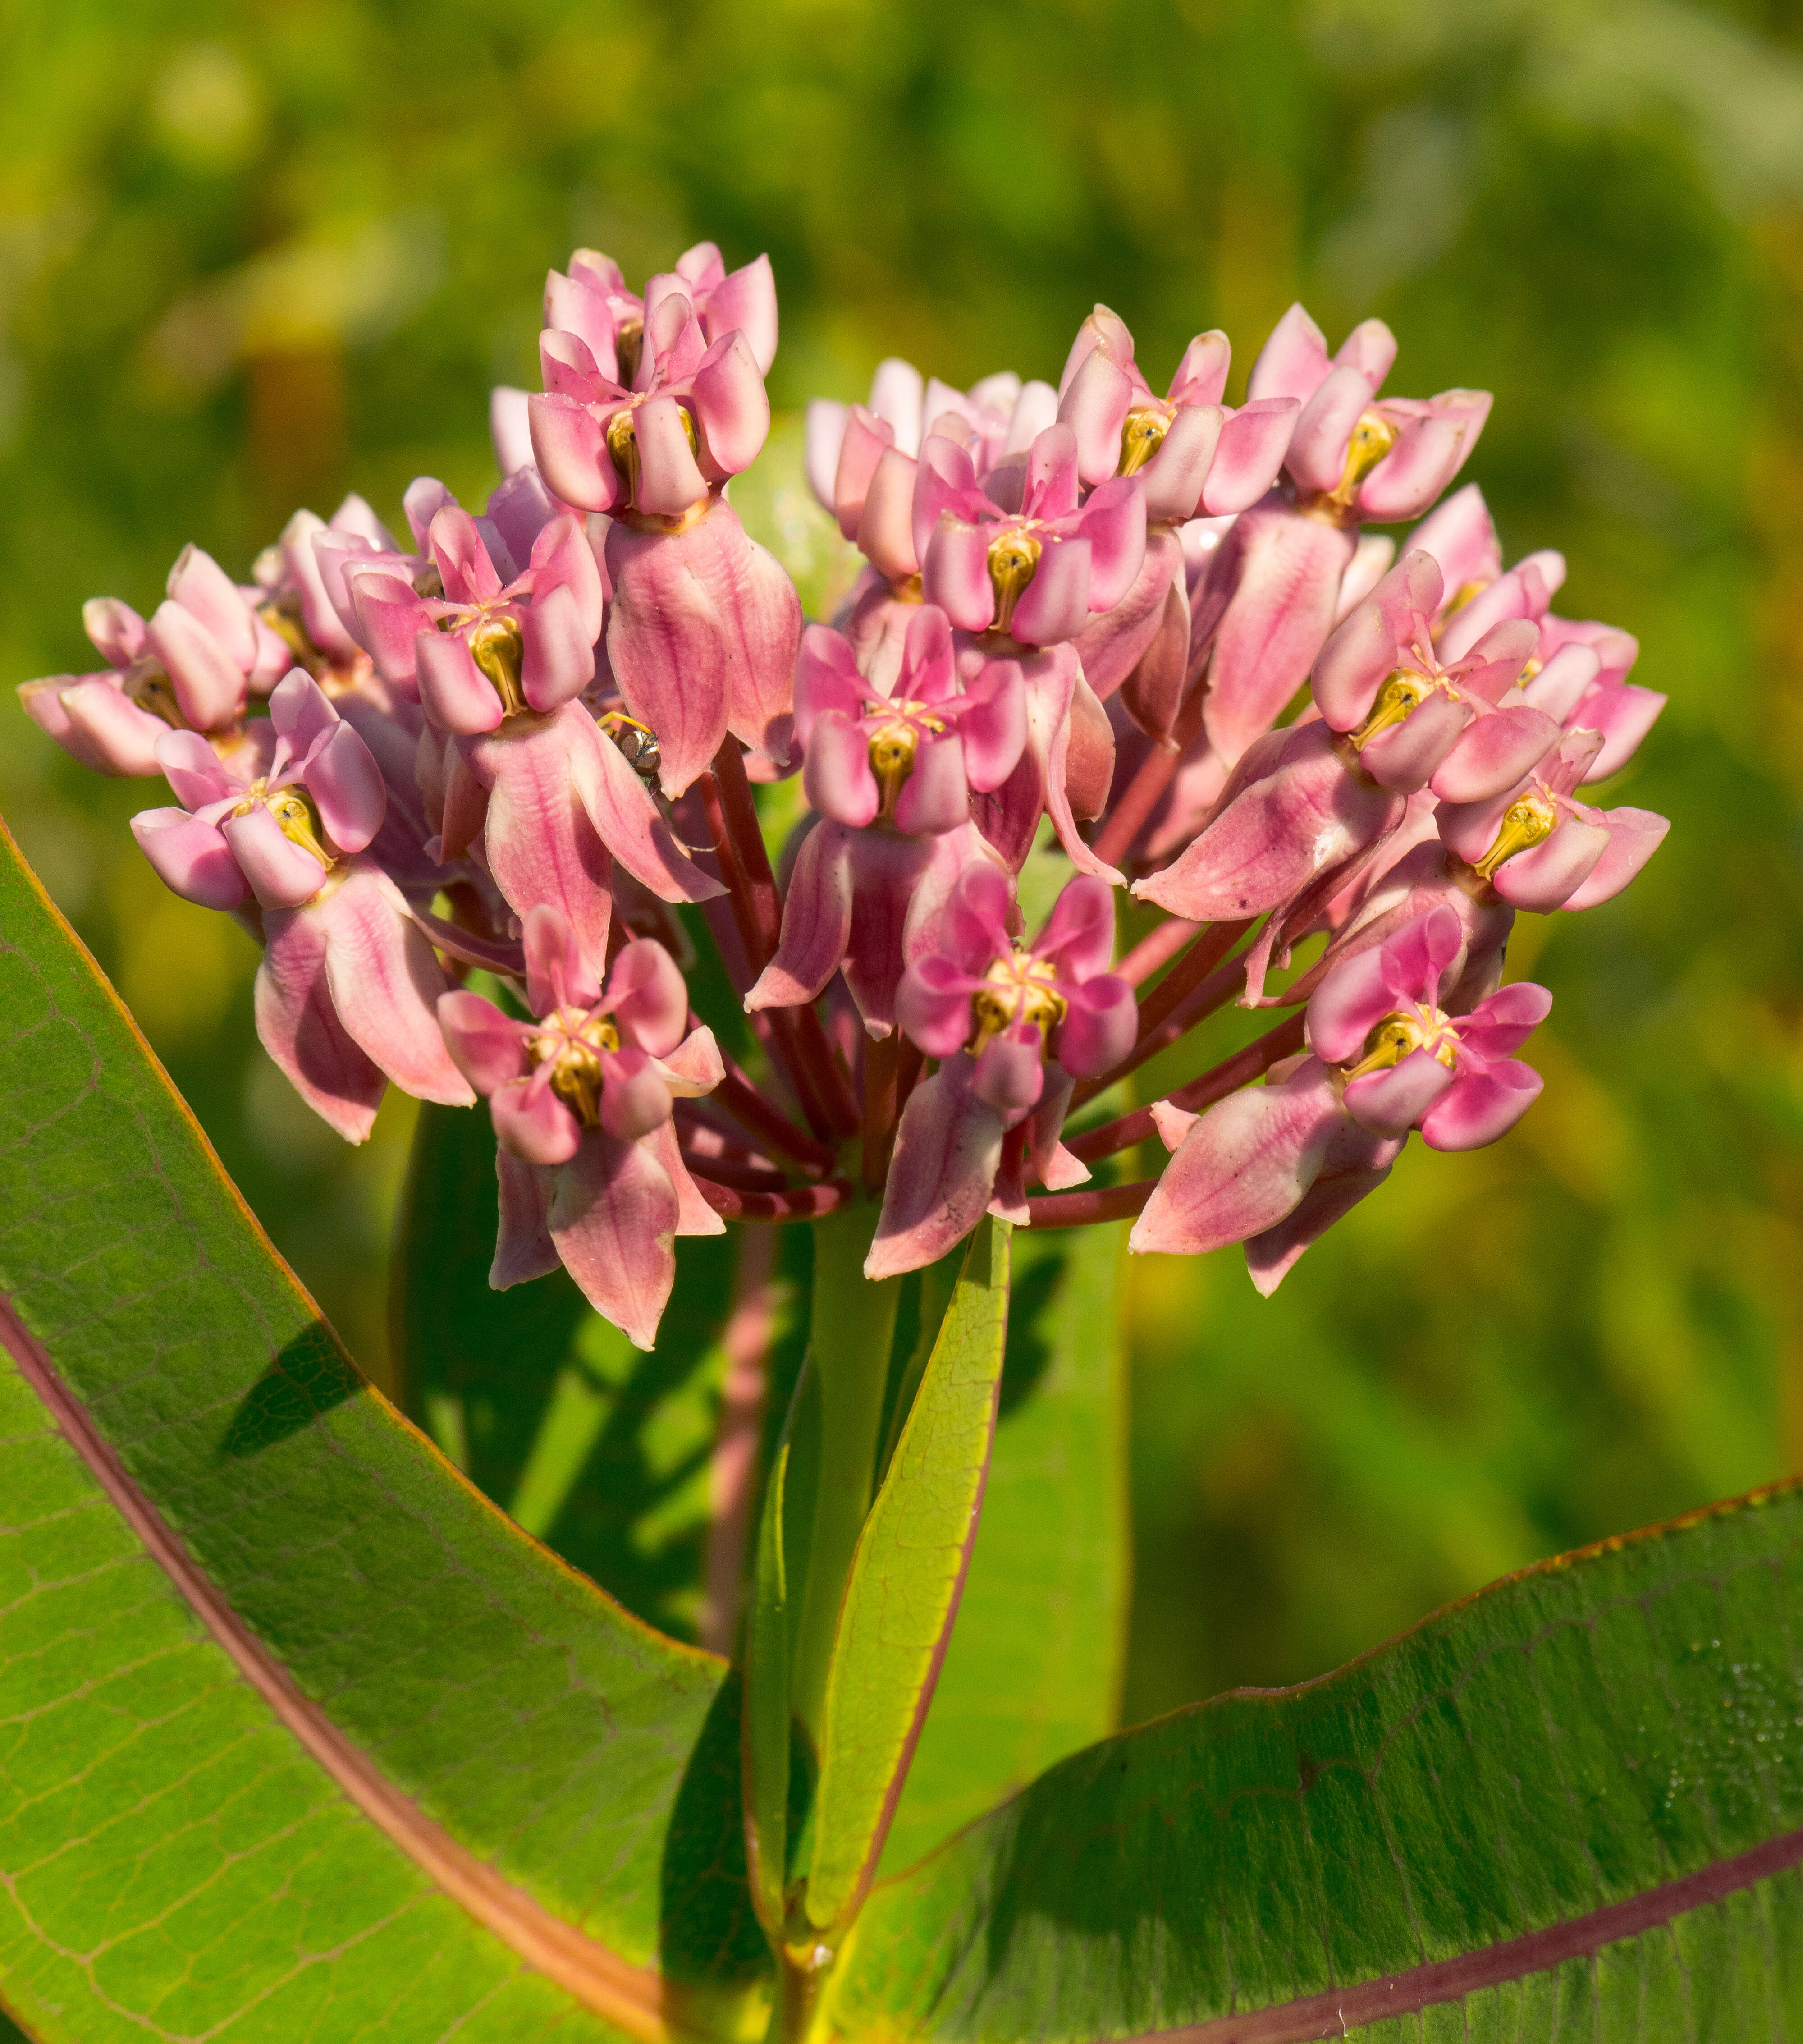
(1033,1667)
(1569,1808)
(299,1736)
(901,1594)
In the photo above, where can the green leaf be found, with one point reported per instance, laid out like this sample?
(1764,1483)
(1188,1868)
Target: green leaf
(1570,1807)
(902,1593)
(600,1451)
(301,1735)
(1035,1667)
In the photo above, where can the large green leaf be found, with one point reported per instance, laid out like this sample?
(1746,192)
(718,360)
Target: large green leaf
(301,1736)
(1569,1808)
(902,1592)
(1033,1668)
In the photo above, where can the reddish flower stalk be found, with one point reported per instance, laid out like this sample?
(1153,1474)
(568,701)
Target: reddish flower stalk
(1215,1084)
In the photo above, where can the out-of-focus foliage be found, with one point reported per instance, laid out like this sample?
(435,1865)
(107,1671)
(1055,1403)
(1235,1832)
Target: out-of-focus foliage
(252,256)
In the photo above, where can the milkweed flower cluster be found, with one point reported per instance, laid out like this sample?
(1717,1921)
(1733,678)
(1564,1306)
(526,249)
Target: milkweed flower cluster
(479,791)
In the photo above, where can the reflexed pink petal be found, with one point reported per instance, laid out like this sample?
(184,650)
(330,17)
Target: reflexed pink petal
(1094,406)
(1317,453)
(994,727)
(693,1214)
(1371,348)
(816,922)
(1634,837)
(946,480)
(669,478)
(524,1248)
(1356,1163)
(1390,1103)
(510,433)
(282,875)
(92,718)
(1050,485)
(557,653)
(562,558)
(1079,935)
(486,1047)
(1099,1026)
(1427,455)
(885,525)
(647,999)
(1562,684)
(557,975)
(1413,960)
(114,628)
(343,779)
(390,620)
(539,844)
(955,573)
(572,305)
(827,677)
(947,1149)
(1351,1001)
(1113,521)
(569,367)
(1105,330)
(667,646)
(864,439)
(1055,604)
(209,685)
(422,501)
(457,546)
(635,1099)
(1353,666)
(319,615)
(625,815)
(203,588)
(892,881)
(1548,876)
(613,1215)
(1461,536)
(826,424)
(933,1004)
(935,798)
(1370,563)
(980,916)
(1010,1071)
(301,1032)
(191,857)
(746,300)
(569,445)
(1624,714)
(1152,692)
(1499,1026)
(457,696)
(1249,456)
(1494,754)
(896,394)
(1292,361)
(531,1123)
(836,776)
(1494,665)
(1481,1107)
(694,1067)
(1202,374)
(1408,754)
(732,407)
(1245,1164)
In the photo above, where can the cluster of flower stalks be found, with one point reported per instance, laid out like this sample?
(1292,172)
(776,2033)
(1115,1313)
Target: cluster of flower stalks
(512,744)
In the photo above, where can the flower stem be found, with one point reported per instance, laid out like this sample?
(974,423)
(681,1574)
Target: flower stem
(803,1202)
(1139,799)
(1215,1084)
(732,1471)
(851,1327)
(1156,948)
(1094,1203)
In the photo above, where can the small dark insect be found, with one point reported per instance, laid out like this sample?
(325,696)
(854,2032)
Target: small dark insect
(640,746)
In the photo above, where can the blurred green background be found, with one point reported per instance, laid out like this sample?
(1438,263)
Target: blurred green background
(252,256)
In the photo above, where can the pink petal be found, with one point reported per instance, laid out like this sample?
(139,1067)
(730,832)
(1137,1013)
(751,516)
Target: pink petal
(573,305)
(531,1123)
(933,1004)
(1479,1107)
(732,407)
(955,574)
(281,874)
(1010,1072)
(827,677)
(669,478)
(1292,361)
(486,1047)
(524,1248)
(1173,479)
(1408,754)
(457,696)
(1249,455)
(635,1099)
(647,999)
(509,432)
(896,398)
(557,659)
(1390,1103)
(1094,406)
(885,525)
(1500,1025)
(562,558)
(979,917)
(695,1066)
(1245,1164)
(1079,934)
(343,779)
(1113,521)
(457,546)
(115,629)
(203,588)
(1356,1163)
(1347,1004)
(1099,1026)
(191,857)
(1371,348)
(422,501)
(826,425)
(1428,454)
(1634,837)
(1550,875)
(947,1150)
(1365,649)
(746,299)
(96,722)
(816,922)
(539,842)
(1494,754)
(993,725)
(209,685)
(302,1034)
(1414,960)
(1202,374)
(892,885)
(946,480)
(391,619)
(1317,453)
(863,442)
(1461,536)
(1624,714)
(1370,563)
(1055,604)
(569,445)
(557,975)
(935,798)
(625,814)
(613,1216)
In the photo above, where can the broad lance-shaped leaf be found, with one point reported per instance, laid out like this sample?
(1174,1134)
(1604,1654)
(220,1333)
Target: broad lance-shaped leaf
(902,1595)
(300,1733)
(1569,1808)
(1034,1665)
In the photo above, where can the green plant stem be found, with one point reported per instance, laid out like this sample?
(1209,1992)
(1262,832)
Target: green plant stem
(851,1327)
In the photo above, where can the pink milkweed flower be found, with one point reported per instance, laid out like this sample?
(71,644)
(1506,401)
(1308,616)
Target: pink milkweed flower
(499,666)
(593,301)
(1274,1167)
(1013,1027)
(1537,847)
(1582,683)
(891,776)
(344,993)
(190,666)
(591,1172)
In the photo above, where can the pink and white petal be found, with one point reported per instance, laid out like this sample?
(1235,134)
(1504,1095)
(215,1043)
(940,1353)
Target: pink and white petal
(1494,754)
(1100,1024)
(935,798)
(302,1034)
(570,446)
(635,1099)
(457,695)
(647,999)
(695,1066)
(1201,373)
(1408,754)
(1428,454)
(558,650)
(1292,360)
(539,842)
(864,439)
(489,1048)
(625,813)
(746,299)
(816,922)
(1414,958)
(456,543)
(203,588)
(343,779)
(1055,604)
(524,1248)
(948,1148)
(531,1123)
(96,722)
(827,677)
(1547,877)
(209,684)
(613,1215)
(955,571)
(422,501)
(670,477)
(826,425)
(1246,1164)
(191,857)
(115,630)
(732,406)
(1316,456)
(836,775)
(510,434)
(1482,1106)
(885,525)
(945,481)
(1390,1103)
(282,874)
(1634,837)
(1249,456)
(1094,406)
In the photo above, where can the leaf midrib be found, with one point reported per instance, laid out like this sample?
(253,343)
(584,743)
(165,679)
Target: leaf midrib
(634,1998)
